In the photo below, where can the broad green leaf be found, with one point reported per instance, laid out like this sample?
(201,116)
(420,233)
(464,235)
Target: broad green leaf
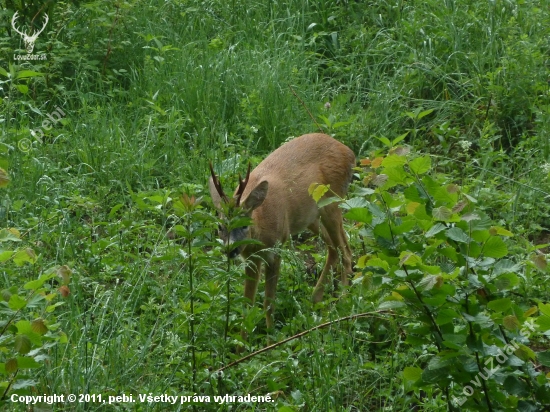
(16,302)
(441,361)
(36,284)
(385,141)
(478,235)
(446,316)
(506,281)
(327,201)
(495,247)
(497,230)
(6,255)
(420,213)
(428,282)
(359,215)
(421,165)
(411,375)
(11,365)
(435,229)
(474,249)
(9,235)
(23,326)
(409,258)
(412,193)
(439,376)
(450,253)
(442,213)
(411,207)
(394,160)
(458,235)
(505,266)
(22,256)
(364,262)
(396,175)
(511,322)
(383,230)
(406,226)
(480,221)
(500,305)
(470,217)
(354,202)
(25,362)
(39,327)
(544,308)
(543,322)
(515,386)
(443,195)
(23,88)
(525,353)
(22,344)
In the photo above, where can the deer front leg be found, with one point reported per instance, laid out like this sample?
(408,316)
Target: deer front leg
(252,273)
(273,266)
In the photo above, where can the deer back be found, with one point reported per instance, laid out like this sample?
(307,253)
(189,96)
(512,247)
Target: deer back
(289,171)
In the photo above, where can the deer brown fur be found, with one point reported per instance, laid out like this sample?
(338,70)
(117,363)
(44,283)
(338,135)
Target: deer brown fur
(275,195)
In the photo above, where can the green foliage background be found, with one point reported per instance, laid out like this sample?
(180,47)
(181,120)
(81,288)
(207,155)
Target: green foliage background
(153,90)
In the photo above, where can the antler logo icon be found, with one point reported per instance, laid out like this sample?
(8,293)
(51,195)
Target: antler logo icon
(29,40)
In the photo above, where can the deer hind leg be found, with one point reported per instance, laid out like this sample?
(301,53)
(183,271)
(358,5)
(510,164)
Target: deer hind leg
(338,250)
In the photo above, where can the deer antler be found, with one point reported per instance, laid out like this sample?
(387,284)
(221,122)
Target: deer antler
(242,185)
(13,25)
(217,184)
(29,40)
(46,20)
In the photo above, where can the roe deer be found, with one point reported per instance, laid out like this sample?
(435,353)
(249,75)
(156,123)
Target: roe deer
(275,195)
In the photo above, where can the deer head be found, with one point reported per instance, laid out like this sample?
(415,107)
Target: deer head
(275,196)
(252,201)
(29,39)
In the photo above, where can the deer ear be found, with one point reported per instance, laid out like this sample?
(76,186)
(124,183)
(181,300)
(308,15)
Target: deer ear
(216,198)
(256,197)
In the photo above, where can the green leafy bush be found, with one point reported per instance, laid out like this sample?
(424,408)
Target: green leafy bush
(439,259)
(28,327)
